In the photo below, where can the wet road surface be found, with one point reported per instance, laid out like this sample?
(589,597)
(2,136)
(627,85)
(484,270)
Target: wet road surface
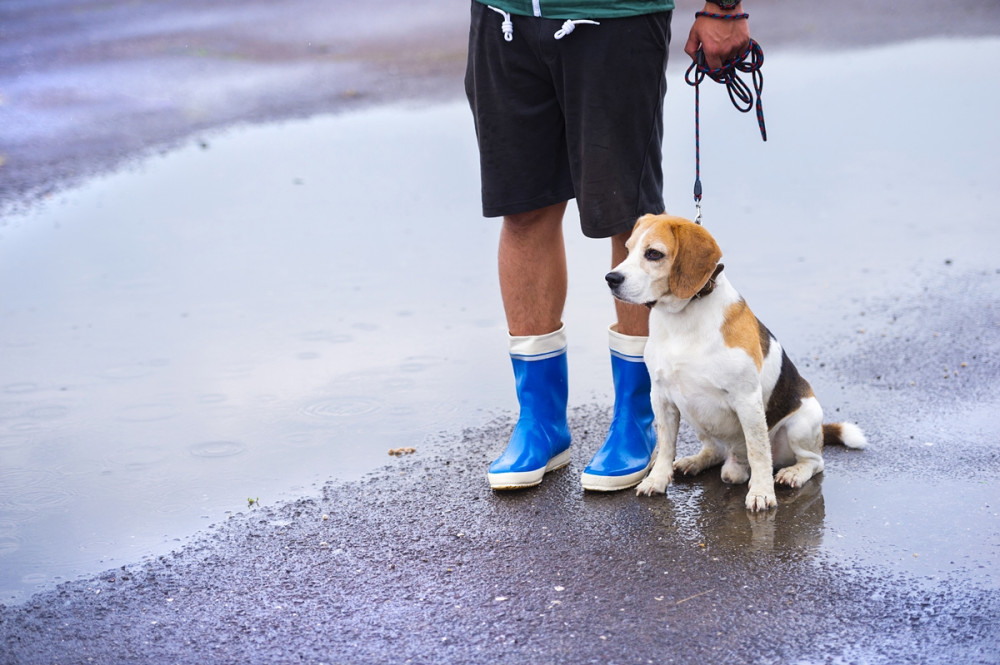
(890,556)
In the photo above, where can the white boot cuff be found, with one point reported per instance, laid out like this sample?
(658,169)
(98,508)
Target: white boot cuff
(538,347)
(626,347)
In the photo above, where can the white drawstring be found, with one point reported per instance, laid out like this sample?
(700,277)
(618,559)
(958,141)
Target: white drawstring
(507,26)
(570,25)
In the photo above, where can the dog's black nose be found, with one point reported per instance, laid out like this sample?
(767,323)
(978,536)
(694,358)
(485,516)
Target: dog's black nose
(614,279)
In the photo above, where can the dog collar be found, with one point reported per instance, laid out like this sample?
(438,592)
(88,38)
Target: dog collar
(705,290)
(709,285)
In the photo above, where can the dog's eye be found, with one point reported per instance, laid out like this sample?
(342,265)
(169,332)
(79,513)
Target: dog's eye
(653,255)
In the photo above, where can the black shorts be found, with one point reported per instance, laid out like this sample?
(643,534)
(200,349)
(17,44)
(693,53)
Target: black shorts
(578,117)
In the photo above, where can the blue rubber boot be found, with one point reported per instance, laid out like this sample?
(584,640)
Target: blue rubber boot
(540,440)
(627,453)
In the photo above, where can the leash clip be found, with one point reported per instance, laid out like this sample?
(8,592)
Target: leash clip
(697,196)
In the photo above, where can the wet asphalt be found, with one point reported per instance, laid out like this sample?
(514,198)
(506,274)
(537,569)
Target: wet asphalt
(420,562)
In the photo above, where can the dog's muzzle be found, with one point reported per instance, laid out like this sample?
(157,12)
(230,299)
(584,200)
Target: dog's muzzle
(615,280)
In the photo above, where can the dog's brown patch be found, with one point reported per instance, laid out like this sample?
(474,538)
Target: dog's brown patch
(740,330)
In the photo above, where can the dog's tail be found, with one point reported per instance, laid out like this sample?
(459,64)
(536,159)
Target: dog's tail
(846,434)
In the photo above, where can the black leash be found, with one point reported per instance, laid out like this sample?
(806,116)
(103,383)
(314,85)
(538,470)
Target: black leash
(741,95)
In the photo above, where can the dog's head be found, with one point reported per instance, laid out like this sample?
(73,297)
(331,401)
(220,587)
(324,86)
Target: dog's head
(667,257)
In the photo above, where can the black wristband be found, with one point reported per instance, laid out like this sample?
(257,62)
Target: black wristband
(726,4)
(728,17)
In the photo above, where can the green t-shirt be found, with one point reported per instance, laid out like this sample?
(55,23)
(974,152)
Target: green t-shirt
(581,9)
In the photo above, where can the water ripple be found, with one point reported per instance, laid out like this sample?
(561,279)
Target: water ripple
(47,412)
(213,449)
(342,407)
(325,336)
(20,388)
(126,372)
(9,544)
(139,457)
(9,442)
(31,490)
(147,413)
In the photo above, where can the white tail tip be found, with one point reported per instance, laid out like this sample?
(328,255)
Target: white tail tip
(852,436)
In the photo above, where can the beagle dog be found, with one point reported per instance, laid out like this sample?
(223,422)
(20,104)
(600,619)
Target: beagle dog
(713,363)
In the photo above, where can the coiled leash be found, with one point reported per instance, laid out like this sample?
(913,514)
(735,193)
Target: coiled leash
(740,93)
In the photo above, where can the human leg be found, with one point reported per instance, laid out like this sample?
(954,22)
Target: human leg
(532,266)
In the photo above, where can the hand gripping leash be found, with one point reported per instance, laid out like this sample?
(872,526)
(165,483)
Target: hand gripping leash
(742,96)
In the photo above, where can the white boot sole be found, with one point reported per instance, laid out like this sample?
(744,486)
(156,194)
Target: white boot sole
(521,479)
(596,483)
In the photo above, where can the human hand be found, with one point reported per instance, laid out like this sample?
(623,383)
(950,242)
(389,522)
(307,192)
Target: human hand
(720,40)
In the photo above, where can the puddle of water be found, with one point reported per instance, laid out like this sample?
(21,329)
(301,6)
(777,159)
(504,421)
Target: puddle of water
(286,305)
(926,525)
(933,530)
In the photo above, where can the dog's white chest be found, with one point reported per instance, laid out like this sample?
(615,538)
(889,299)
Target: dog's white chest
(692,371)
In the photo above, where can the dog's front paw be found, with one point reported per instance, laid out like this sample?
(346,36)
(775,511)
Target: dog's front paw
(760,500)
(654,483)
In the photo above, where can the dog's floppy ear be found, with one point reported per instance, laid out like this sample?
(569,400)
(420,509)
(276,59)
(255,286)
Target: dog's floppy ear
(695,258)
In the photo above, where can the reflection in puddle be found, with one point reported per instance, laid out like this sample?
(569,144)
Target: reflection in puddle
(713,513)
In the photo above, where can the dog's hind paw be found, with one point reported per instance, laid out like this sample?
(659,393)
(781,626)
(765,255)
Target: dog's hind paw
(797,475)
(695,464)
(690,466)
